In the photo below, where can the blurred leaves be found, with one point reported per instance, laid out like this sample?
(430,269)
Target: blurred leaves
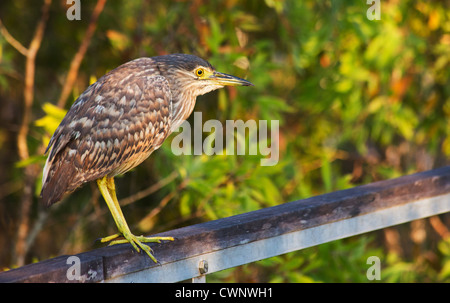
(49,122)
(52,118)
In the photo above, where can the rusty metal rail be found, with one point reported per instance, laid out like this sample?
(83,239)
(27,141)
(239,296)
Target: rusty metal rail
(216,245)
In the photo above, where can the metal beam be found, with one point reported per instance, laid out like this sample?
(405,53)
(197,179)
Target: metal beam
(278,245)
(256,235)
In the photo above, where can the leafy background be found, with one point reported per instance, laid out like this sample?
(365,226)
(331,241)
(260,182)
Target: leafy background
(357,100)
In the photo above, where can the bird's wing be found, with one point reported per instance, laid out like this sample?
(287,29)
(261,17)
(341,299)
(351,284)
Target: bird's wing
(112,127)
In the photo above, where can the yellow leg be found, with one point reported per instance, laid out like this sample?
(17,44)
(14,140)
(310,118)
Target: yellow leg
(108,191)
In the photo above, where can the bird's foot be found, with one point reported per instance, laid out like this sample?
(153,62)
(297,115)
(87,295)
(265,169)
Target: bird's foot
(136,241)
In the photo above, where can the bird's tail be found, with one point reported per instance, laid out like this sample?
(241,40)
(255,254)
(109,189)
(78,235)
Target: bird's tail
(57,177)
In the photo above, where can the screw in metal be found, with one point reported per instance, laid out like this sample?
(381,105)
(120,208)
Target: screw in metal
(203,267)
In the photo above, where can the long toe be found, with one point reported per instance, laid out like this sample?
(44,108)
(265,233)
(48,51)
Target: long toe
(154,239)
(109,238)
(136,241)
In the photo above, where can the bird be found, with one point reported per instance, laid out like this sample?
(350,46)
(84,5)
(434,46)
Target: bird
(118,121)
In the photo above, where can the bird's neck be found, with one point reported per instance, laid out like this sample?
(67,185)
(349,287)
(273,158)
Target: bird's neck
(182,108)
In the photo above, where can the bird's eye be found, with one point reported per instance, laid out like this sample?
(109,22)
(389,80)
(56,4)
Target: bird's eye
(199,72)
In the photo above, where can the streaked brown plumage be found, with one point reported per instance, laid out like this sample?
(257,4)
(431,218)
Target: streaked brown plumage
(121,119)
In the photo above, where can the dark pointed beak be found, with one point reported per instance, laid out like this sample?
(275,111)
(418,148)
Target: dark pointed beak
(228,80)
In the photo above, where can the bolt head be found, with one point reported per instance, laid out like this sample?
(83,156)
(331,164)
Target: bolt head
(203,267)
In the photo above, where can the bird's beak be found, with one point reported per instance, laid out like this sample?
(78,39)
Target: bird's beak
(228,80)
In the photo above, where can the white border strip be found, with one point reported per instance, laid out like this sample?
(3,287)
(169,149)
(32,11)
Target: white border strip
(262,249)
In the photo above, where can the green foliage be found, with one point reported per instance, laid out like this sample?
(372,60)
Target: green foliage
(444,249)
(340,261)
(52,118)
(329,262)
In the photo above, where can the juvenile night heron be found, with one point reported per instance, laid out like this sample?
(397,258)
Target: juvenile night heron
(119,121)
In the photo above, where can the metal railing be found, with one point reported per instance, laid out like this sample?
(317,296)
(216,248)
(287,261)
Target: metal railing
(217,245)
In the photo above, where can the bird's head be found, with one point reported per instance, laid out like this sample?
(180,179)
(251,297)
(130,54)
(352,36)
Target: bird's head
(195,76)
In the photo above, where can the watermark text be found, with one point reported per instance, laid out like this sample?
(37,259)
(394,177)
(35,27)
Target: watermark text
(236,142)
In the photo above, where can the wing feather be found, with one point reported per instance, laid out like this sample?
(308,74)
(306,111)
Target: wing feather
(111,128)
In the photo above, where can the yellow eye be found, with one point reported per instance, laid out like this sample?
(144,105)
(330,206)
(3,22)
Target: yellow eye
(200,72)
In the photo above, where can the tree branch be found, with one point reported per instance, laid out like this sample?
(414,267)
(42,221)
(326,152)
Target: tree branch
(76,61)
(25,241)
(31,171)
(150,190)
(29,81)
(11,40)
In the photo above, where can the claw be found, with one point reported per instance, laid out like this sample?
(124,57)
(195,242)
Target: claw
(108,191)
(137,242)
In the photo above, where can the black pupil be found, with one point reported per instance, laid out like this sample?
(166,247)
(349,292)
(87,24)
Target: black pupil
(199,72)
